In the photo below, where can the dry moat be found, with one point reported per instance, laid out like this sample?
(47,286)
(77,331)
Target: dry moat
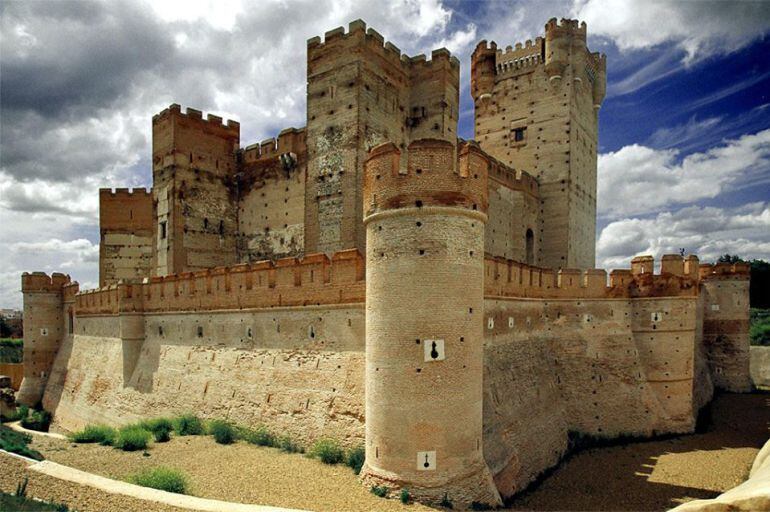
(647,475)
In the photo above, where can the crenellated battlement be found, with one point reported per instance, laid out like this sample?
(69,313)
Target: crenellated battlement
(678,278)
(289,140)
(357,34)
(212,122)
(129,193)
(42,282)
(436,174)
(565,27)
(514,179)
(520,57)
(313,280)
(709,271)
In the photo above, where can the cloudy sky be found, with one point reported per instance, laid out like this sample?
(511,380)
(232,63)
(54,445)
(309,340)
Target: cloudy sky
(685,129)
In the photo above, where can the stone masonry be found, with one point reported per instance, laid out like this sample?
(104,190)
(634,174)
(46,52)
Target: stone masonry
(374,279)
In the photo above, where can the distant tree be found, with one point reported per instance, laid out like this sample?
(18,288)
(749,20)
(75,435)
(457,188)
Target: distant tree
(5,329)
(730,258)
(760,284)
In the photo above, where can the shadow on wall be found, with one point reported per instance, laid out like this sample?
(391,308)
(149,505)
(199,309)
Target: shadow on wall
(662,473)
(55,385)
(140,363)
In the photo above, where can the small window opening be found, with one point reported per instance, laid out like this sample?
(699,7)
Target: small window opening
(163,230)
(518,134)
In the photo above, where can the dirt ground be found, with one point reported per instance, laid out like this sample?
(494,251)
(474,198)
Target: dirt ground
(650,475)
(660,474)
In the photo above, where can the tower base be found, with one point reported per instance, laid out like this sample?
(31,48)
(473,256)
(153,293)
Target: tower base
(474,486)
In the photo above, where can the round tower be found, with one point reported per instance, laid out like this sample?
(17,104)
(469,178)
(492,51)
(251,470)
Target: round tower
(562,40)
(43,331)
(483,70)
(424,332)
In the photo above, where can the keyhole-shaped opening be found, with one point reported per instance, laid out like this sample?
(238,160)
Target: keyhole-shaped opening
(426,464)
(433,354)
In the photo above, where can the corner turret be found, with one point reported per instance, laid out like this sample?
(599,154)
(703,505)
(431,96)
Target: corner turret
(424,311)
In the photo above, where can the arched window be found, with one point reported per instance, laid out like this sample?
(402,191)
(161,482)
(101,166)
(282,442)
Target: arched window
(530,237)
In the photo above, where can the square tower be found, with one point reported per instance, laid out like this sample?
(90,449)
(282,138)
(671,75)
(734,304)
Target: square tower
(536,109)
(362,92)
(194,193)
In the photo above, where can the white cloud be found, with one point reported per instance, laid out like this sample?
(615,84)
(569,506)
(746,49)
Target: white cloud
(638,179)
(705,231)
(700,29)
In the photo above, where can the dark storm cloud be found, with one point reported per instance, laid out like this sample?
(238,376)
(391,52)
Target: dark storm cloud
(57,56)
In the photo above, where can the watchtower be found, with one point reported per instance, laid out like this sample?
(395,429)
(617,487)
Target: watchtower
(193,167)
(424,311)
(536,109)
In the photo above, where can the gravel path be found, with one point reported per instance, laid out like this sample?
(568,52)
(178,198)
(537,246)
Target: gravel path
(76,497)
(240,472)
(658,475)
(652,475)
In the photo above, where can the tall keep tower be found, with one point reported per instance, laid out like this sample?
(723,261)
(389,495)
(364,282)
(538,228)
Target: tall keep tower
(424,307)
(361,92)
(536,109)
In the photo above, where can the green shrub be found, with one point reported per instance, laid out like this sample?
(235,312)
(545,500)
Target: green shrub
(328,451)
(405,496)
(287,444)
(11,351)
(23,504)
(101,434)
(446,502)
(356,458)
(16,442)
(131,438)
(37,420)
(223,432)
(159,427)
(380,491)
(259,436)
(188,425)
(163,478)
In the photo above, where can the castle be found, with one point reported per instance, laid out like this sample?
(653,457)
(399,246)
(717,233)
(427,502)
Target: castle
(374,279)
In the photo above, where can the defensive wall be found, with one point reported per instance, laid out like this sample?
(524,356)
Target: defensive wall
(283,345)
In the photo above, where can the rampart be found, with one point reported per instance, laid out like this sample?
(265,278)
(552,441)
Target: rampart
(312,280)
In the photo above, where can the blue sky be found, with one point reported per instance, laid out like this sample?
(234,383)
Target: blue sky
(684,131)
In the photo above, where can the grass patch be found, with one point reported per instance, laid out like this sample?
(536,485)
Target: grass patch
(160,428)
(188,425)
(163,478)
(101,434)
(38,420)
(23,504)
(11,350)
(288,445)
(327,451)
(260,436)
(16,442)
(355,459)
(380,491)
(132,438)
(223,431)
(404,496)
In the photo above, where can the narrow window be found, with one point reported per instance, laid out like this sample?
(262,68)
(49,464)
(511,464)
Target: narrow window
(518,134)
(530,247)
(163,230)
